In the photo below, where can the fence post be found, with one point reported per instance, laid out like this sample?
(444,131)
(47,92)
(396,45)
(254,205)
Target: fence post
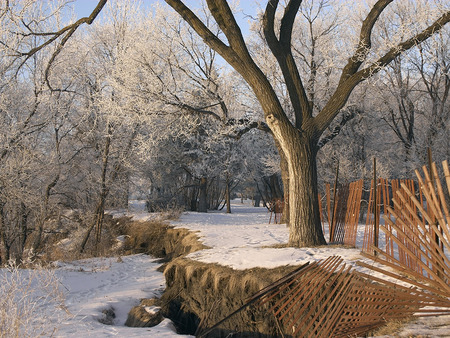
(334,204)
(375,207)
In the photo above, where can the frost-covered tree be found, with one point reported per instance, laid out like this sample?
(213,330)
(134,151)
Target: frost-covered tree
(175,82)
(108,131)
(28,170)
(298,139)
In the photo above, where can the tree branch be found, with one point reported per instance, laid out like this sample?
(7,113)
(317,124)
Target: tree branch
(287,23)
(236,54)
(247,127)
(365,42)
(68,30)
(208,37)
(344,89)
(347,116)
(281,49)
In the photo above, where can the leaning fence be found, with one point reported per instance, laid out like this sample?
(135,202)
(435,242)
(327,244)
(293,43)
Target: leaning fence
(329,298)
(417,233)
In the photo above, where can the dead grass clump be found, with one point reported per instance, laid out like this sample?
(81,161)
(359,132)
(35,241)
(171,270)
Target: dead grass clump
(146,237)
(159,239)
(391,328)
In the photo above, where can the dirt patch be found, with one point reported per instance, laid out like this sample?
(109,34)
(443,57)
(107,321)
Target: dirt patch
(199,292)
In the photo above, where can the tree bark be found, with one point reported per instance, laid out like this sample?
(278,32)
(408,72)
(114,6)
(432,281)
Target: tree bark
(257,201)
(228,193)
(202,199)
(285,179)
(304,217)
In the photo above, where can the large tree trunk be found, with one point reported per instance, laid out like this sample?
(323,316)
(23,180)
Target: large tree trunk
(257,201)
(285,179)
(304,217)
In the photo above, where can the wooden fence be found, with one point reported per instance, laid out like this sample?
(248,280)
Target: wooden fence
(329,298)
(417,231)
(343,212)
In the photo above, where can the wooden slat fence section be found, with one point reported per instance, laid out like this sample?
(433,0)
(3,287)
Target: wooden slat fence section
(368,232)
(312,302)
(344,222)
(372,301)
(409,226)
(417,227)
(385,192)
(353,209)
(340,209)
(329,299)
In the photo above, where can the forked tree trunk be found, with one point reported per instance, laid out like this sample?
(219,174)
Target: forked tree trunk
(298,139)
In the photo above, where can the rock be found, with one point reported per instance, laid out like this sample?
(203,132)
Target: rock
(108,316)
(146,314)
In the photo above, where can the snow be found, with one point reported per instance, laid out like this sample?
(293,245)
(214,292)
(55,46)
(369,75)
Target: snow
(245,239)
(94,286)
(242,240)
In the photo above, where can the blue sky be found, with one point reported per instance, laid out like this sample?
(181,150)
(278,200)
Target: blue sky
(249,7)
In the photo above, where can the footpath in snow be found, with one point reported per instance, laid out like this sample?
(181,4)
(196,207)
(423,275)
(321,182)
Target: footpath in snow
(244,239)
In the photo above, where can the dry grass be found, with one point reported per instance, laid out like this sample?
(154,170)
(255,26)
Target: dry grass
(63,236)
(222,278)
(31,302)
(391,328)
(210,292)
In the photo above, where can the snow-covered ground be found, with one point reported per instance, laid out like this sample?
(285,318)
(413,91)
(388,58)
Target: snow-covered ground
(243,239)
(93,287)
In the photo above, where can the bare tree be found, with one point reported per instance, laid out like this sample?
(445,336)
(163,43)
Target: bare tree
(298,139)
